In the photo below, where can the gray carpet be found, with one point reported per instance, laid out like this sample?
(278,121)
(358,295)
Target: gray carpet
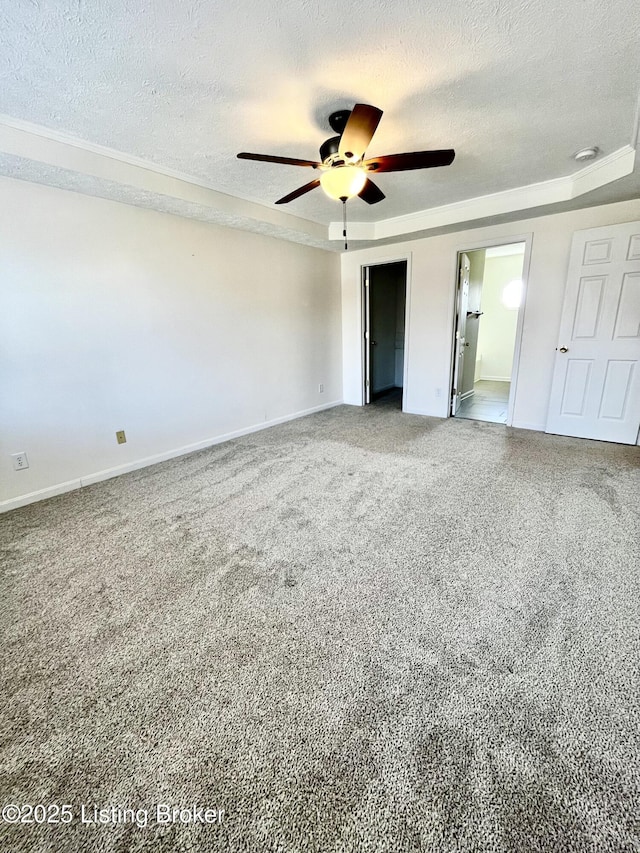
(360,631)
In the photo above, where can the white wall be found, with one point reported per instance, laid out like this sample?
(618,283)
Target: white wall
(177,331)
(497,326)
(432,274)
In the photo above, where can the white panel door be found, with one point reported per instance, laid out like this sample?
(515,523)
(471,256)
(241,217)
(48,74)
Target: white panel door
(596,382)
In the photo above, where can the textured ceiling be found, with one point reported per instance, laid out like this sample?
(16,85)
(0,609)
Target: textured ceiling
(515,86)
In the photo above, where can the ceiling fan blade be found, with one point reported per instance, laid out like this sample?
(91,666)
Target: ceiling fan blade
(300,191)
(268,158)
(360,128)
(371,193)
(410,160)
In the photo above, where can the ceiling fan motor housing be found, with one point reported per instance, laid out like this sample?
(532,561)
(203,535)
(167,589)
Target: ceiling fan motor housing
(329,151)
(338,121)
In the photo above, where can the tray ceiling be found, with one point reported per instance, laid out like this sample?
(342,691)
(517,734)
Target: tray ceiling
(179,88)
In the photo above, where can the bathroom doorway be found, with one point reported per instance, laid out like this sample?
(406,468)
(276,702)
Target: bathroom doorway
(489,300)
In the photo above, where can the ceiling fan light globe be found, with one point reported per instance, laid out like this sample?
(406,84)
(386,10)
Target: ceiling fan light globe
(340,182)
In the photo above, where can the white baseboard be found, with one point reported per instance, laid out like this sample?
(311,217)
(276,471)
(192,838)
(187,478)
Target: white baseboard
(108,473)
(424,413)
(40,495)
(534,427)
(494,379)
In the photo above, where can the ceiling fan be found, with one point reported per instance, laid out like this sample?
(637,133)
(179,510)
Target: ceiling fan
(344,171)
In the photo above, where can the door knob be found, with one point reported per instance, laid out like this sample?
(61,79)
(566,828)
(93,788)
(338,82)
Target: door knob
(564,349)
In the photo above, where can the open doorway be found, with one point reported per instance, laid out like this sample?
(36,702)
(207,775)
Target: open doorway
(490,292)
(384,309)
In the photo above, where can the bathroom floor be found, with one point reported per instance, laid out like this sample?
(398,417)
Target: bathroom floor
(488,403)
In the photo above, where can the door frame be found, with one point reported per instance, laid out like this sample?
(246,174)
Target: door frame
(364,302)
(473,246)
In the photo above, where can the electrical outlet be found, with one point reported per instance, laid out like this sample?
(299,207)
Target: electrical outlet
(20,461)
(321,388)
(438,392)
(121,437)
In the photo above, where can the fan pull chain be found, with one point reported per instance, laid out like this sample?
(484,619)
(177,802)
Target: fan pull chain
(344,222)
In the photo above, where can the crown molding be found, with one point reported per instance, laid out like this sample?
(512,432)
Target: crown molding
(27,129)
(62,151)
(616,165)
(636,125)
